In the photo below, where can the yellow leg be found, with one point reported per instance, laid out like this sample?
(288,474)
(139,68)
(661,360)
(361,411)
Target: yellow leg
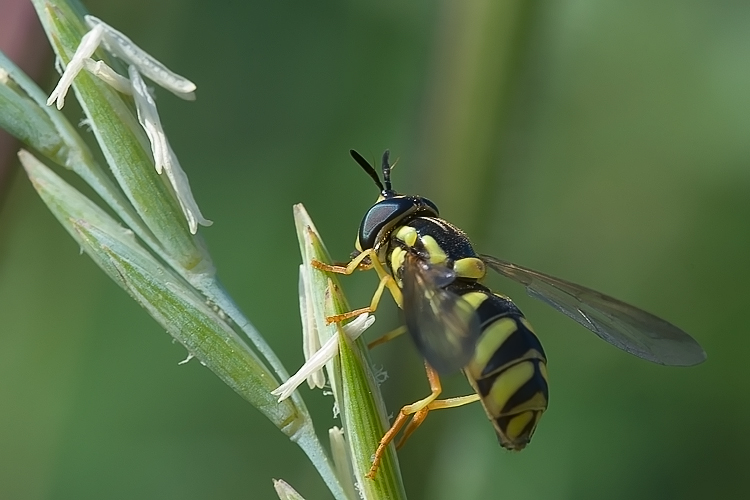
(352,266)
(387,337)
(418,411)
(403,416)
(438,404)
(386,281)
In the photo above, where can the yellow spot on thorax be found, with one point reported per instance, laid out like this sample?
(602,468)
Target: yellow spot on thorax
(437,255)
(407,234)
(397,259)
(470,267)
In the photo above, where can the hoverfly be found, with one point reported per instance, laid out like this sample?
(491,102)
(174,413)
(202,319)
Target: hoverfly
(457,323)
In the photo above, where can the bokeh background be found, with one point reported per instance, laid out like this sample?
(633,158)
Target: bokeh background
(604,142)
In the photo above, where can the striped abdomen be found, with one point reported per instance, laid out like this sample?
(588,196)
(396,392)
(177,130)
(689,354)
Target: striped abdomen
(508,369)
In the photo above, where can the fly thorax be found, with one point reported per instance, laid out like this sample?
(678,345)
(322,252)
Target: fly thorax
(439,243)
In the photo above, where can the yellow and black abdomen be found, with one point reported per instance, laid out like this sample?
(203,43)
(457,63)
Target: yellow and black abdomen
(508,370)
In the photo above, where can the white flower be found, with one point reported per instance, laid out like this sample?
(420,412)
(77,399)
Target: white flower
(139,63)
(327,352)
(164,158)
(121,46)
(310,336)
(89,43)
(107,75)
(320,341)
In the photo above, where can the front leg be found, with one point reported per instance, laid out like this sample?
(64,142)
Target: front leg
(352,266)
(386,281)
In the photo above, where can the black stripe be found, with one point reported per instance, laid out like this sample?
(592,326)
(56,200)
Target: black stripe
(515,347)
(494,308)
(534,385)
(529,429)
(485,384)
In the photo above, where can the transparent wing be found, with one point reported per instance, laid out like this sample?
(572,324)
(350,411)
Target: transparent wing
(444,326)
(631,329)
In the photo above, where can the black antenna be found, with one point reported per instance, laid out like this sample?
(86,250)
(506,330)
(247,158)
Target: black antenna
(387,172)
(368,168)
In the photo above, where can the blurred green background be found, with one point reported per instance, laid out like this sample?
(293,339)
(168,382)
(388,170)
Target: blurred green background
(604,142)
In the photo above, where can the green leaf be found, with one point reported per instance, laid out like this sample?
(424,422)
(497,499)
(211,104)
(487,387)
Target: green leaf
(23,117)
(164,294)
(177,289)
(124,144)
(350,375)
(73,153)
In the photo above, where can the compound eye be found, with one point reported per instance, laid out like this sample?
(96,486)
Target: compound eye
(432,206)
(383,214)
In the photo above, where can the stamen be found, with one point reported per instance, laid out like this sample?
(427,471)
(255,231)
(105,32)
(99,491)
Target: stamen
(164,157)
(124,48)
(89,44)
(323,355)
(101,70)
(310,338)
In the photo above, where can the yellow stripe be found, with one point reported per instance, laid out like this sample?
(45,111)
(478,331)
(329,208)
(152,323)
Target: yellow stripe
(506,385)
(470,267)
(537,402)
(490,341)
(475,298)
(517,424)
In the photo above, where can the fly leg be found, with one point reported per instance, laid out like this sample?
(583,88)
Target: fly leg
(417,412)
(386,281)
(387,337)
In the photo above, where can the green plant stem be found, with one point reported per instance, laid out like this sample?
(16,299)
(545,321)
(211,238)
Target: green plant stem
(304,435)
